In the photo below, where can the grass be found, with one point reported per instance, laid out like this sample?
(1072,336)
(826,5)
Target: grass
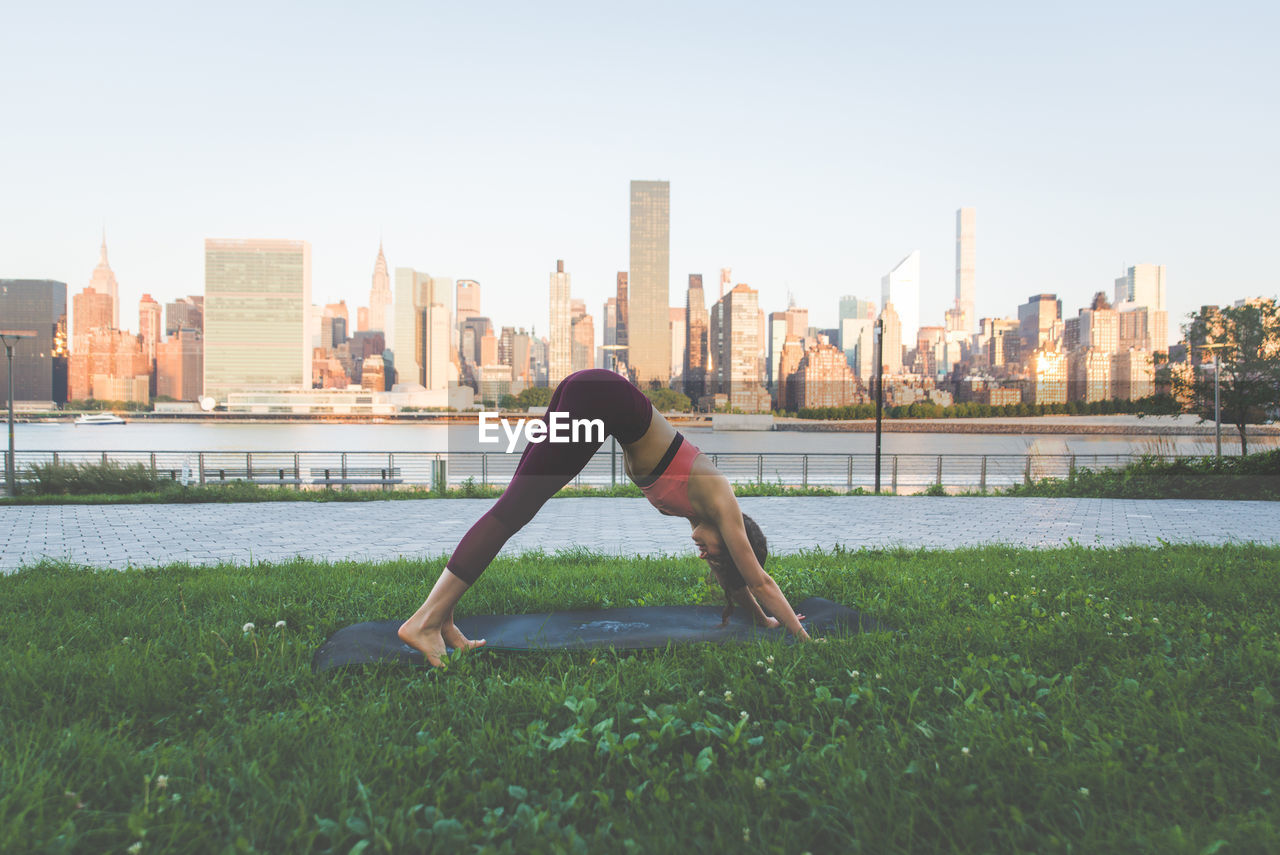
(1254,476)
(1073,700)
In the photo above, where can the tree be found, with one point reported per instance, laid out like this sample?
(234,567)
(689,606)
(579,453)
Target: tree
(667,400)
(534,396)
(1246,340)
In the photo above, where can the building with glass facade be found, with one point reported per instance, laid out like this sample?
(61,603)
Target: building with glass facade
(39,363)
(649,297)
(901,286)
(257,299)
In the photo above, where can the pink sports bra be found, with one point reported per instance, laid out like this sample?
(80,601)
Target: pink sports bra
(667,487)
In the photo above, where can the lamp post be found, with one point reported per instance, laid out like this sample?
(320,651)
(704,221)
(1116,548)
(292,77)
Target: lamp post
(879,349)
(10,338)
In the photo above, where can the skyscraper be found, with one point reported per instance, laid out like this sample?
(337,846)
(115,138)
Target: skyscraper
(104,282)
(39,363)
(1142,285)
(149,325)
(1036,320)
(735,330)
(90,310)
(695,351)
(422,336)
(180,366)
(257,299)
(901,286)
(468,304)
(649,300)
(891,341)
(560,358)
(966,229)
(184,313)
(380,297)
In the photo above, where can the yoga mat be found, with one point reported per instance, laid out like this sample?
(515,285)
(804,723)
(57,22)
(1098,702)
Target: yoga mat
(622,629)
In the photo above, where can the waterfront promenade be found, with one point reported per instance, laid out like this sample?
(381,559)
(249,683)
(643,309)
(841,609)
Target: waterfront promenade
(119,536)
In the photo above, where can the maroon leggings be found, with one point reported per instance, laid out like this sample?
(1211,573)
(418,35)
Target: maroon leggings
(545,466)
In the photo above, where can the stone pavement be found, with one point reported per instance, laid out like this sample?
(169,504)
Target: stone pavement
(146,535)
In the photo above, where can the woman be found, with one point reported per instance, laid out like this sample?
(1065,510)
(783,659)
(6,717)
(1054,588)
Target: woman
(679,481)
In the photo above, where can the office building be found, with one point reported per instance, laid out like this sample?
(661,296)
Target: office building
(1037,319)
(40,363)
(1098,328)
(90,310)
(257,301)
(468,302)
(823,378)
(103,281)
(381,300)
(966,229)
(901,286)
(649,297)
(421,332)
(582,333)
(180,366)
(695,351)
(185,313)
(1133,375)
(560,339)
(1048,377)
(1089,375)
(891,342)
(1142,285)
(735,330)
(1000,340)
(109,365)
(856,307)
(149,324)
(857,342)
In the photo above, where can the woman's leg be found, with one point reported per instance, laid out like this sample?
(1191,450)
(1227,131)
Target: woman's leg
(544,468)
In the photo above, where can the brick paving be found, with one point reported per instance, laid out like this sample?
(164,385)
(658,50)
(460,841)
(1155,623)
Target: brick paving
(120,536)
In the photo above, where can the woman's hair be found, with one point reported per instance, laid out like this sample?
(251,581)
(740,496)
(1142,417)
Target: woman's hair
(726,572)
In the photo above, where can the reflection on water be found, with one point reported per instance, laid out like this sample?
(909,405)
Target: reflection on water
(301,436)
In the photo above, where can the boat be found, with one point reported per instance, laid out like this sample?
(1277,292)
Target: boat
(100,419)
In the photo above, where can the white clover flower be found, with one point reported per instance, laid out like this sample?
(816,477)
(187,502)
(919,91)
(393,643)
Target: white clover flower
(248,627)
(743,715)
(1106,614)
(280,624)
(135,848)
(728,695)
(646,693)
(1062,614)
(966,584)
(701,692)
(965,751)
(126,640)
(1030,750)
(812,682)
(854,674)
(1084,791)
(768,670)
(162,781)
(746,834)
(877,675)
(769,659)
(1155,620)
(759,783)
(759,664)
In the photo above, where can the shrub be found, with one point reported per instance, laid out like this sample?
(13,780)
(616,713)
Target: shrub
(79,479)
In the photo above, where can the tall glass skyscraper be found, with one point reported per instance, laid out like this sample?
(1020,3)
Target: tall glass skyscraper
(257,295)
(40,363)
(966,234)
(901,286)
(648,321)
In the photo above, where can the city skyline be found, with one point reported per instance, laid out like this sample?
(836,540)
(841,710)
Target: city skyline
(810,201)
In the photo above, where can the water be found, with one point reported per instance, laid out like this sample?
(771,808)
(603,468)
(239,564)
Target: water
(354,437)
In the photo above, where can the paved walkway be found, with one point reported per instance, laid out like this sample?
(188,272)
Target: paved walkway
(146,535)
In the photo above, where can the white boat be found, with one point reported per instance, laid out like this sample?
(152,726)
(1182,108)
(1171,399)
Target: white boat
(100,419)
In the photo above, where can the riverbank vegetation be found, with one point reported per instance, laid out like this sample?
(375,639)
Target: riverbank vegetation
(1072,700)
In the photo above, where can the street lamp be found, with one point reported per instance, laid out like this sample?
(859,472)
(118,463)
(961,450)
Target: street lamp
(1217,409)
(879,349)
(10,338)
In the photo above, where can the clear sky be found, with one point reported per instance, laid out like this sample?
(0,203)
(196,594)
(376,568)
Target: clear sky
(809,146)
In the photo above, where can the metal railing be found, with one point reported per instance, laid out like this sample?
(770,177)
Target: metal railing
(900,473)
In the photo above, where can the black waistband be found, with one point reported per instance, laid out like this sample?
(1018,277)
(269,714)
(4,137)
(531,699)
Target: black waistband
(652,478)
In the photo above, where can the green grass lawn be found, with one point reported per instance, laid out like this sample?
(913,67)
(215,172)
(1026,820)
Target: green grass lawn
(1074,700)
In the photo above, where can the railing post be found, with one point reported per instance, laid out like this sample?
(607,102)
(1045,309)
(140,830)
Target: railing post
(983,482)
(344,466)
(893,483)
(613,461)
(484,469)
(939,481)
(759,468)
(248,465)
(297,472)
(1026,475)
(104,460)
(153,465)
(849,483)
(200,463)
(1071,468)
(804,472)
(55,459)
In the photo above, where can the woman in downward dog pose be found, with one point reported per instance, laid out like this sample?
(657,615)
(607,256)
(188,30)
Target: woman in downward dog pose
(674,476)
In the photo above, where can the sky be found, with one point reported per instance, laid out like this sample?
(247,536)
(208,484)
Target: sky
(809,146)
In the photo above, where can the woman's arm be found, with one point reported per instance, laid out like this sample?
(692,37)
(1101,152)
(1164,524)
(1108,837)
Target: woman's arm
(728,519)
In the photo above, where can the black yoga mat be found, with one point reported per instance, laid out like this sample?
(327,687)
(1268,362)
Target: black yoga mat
(622,629)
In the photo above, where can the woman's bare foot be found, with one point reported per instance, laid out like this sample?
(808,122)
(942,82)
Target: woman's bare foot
(433,642)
